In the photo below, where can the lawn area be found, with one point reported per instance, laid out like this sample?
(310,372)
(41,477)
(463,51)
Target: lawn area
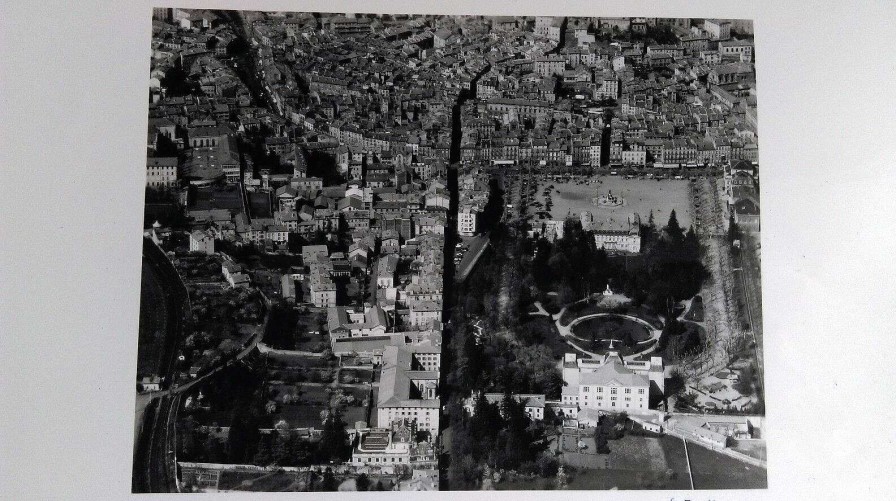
(627,480)
(582,309)
(164,213)
(752,448)
(279,261)
(583,460)
(636,462)
(712,470)
(300,415)
(360,394)
(690,338)
(352,414)
(373,419)
(308,403)
(624,333)
(577,310)
(641,196)
(673,450)
(550,304)
(633,452)
(314,343)
(625,330)
(153,311)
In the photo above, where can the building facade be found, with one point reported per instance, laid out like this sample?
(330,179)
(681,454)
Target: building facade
(161,172)
(609,384)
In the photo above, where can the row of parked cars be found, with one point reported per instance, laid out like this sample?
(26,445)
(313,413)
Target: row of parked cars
(459,252)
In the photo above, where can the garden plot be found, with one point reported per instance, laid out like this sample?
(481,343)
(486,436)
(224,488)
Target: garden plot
(303,406)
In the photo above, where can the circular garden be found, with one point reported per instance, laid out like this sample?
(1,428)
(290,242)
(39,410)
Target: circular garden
(596,334)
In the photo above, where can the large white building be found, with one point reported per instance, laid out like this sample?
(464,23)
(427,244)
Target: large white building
(344,322)
(634,157)
(423,313)
(161,172)
(466,221)
(323,292)
(718,29)
(381,447)
(549,66)
(407,391)
(551,229)
(607,86)
(533,403)
(548,27)
(741,48)
(624,237)
(609,384)
(425,345)
(390,446)
(202,241)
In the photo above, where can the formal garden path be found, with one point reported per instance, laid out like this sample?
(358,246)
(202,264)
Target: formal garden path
(570,338)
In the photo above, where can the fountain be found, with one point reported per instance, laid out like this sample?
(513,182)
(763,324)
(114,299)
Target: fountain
(608,200)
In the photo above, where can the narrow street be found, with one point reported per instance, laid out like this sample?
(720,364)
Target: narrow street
(246,66)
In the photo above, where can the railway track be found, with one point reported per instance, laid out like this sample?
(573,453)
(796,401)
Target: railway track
(153,470)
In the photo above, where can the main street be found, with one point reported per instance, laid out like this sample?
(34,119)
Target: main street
(450,244)
(246,65)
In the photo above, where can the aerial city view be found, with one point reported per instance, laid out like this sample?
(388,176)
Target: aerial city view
(401,252)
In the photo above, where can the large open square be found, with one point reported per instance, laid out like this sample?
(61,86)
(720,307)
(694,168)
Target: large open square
(639,196)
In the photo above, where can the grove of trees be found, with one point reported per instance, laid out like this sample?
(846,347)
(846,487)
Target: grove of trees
(499,435)
(226,428)
(668,270)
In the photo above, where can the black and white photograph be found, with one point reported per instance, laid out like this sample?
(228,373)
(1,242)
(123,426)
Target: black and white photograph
(627,250)
(430,252)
